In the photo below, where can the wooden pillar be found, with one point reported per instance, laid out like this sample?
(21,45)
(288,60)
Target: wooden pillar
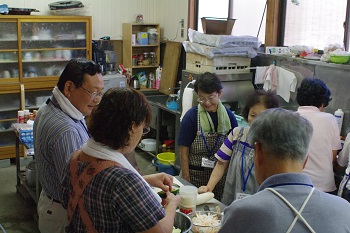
(193,14)
(272,22)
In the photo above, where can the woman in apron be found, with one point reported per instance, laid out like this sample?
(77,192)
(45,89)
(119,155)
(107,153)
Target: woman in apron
(236,154)
(102,191)
(203,129)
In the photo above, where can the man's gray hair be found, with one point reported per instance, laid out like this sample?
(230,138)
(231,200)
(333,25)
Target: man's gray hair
(282,133)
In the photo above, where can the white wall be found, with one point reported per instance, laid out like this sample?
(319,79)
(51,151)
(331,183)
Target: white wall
(108,15)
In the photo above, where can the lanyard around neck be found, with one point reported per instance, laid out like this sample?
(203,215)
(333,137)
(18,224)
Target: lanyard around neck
(206,145)
(245,180)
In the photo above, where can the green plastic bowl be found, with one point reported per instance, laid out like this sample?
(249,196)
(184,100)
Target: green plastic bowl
(339,59)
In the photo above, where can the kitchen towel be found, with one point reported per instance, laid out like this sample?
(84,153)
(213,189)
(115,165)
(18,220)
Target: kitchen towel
(271,80)
(224,124)
(187,99)
(259,74)
(287,83)
(100,151)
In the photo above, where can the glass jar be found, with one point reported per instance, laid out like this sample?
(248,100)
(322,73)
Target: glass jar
(145,61)
(152,58)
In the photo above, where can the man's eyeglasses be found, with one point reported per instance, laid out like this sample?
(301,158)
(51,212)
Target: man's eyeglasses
(205,100)
(146,130)
(94,94)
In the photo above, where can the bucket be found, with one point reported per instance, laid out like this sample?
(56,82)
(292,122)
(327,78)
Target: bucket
(166,158)
(169,169)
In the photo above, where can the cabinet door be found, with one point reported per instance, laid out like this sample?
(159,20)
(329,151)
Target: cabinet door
(8,52)
(46,47)
(34,99)
(9,106)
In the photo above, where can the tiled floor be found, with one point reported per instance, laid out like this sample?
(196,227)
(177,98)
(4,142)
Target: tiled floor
(16,215)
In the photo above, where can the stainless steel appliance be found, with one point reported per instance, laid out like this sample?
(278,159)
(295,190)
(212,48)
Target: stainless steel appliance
(113,80)
(235,88)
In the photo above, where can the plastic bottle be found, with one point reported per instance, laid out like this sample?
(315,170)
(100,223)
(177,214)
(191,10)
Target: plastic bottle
(26,115)
(339,115)
(158,77)
(20,118)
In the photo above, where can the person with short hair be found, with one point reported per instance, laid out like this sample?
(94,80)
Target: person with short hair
(203,129)
(313,97)
(287,200)
(234,153)
(101,190)
(59,130)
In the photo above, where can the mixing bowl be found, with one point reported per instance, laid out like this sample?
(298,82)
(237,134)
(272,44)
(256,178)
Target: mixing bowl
(206,222)
(182,222)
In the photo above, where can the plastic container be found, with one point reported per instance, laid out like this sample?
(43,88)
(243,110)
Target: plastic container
(142,38)
(166,168)
(167,158)
(339,115)
(172,102)
(148,144)
(188,194)
(339,59)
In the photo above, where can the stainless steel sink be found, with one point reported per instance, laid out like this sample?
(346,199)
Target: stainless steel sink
(161,99)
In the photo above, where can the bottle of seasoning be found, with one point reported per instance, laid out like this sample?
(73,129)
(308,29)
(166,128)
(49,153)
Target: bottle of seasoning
(151,80)
(134,60)
(20,118)
(26,115)
(139,59)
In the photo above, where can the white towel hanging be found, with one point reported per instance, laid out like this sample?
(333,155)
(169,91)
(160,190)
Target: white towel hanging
(187,99)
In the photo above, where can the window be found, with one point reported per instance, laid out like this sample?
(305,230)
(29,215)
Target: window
(208,9)
(248,18)
(315,23)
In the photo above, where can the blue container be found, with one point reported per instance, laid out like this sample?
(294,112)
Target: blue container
(142,38)
(169,169)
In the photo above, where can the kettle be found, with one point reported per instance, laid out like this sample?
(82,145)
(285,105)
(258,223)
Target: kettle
(135,83)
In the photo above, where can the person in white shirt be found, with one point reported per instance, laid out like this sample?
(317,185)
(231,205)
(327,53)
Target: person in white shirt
(313,97)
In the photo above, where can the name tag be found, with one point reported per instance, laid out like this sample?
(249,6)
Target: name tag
(240,196)
(208,163)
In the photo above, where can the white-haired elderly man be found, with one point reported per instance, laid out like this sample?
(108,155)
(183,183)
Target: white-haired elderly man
(286,200)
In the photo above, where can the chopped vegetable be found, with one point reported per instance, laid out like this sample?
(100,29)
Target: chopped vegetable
(174,191)
(210,220)
(176,230)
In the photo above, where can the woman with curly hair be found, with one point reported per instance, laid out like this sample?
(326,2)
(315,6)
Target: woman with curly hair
(101,190)
(313,97)
(236,154)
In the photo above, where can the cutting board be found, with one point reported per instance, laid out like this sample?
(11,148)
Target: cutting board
(170,65)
